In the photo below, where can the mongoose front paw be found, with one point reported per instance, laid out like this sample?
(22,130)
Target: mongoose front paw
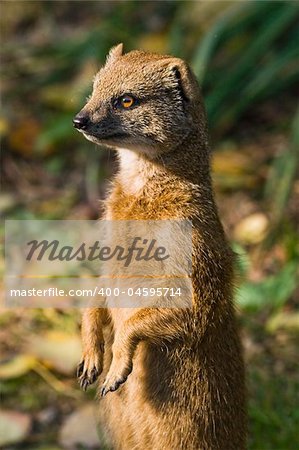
(113,381)
(112,385)
(90,368)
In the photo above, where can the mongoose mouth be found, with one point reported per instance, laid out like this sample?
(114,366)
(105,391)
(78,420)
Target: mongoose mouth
(114,136)
(102,137)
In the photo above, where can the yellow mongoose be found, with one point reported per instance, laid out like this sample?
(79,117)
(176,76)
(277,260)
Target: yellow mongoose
(192,396)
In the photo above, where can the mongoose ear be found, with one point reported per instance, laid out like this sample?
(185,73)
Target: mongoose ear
(115,53)
(184,77)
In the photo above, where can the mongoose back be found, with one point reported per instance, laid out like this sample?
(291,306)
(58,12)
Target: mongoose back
(170,378)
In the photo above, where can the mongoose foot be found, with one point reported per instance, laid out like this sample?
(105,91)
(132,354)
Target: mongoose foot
(113,382)
(90,368)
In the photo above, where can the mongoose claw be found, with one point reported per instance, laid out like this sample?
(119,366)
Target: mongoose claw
(89,370)
(86,378)
(112,387)
(113,381)
(103,391)
(80,369)
(83,384)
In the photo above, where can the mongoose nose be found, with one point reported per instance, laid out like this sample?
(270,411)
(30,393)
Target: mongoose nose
(81,122)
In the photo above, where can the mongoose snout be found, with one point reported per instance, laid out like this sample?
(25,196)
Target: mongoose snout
(81,121)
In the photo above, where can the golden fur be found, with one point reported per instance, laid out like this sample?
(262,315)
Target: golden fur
(178,374)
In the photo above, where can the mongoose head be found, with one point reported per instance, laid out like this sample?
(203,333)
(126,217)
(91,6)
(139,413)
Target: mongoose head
(143,102)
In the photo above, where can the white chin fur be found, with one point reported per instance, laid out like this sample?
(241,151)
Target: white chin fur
(134,172)
(143,149)
(91,138)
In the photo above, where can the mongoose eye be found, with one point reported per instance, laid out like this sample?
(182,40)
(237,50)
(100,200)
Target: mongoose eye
(127,101)
(124,102)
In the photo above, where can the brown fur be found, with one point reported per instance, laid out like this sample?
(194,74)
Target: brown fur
(181,370)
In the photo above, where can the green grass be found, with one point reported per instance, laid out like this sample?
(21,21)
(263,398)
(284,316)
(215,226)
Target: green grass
(273,411)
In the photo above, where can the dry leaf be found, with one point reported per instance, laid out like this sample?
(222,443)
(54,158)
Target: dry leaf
(252,229)
(17,366)
(57,349)
(284,321)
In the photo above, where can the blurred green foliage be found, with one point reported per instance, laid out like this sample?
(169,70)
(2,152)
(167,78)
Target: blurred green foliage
(272,292)
(258,42)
